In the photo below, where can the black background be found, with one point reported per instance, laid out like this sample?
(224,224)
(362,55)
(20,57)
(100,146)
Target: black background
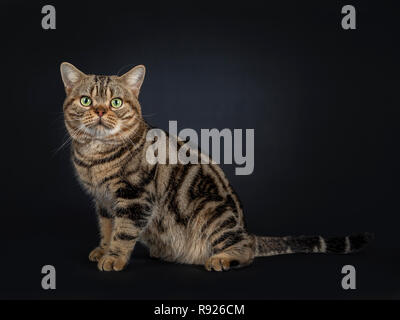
(323,102)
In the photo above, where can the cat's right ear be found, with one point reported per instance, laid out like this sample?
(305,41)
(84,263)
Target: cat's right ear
(70,75)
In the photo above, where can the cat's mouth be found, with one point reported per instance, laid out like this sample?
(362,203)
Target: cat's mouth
(102,124)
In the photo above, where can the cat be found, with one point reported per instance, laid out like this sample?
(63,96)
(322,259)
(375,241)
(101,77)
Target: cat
(182,213)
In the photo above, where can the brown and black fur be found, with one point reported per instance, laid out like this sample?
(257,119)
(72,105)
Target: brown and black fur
(182,213)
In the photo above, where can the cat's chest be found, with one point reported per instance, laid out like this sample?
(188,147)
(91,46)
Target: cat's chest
(98,187)
(98,177)
(95,175)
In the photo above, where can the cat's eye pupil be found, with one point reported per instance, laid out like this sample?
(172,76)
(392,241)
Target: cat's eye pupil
(116,102)
(86,101)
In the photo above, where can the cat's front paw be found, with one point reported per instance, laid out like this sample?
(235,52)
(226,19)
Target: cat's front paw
(112,263)
(96,254)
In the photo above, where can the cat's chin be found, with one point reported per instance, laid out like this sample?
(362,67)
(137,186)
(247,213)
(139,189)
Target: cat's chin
(100,131)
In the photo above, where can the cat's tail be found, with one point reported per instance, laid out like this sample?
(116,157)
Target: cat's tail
(270,246)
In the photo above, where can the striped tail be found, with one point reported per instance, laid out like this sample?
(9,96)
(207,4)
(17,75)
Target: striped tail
(270,246)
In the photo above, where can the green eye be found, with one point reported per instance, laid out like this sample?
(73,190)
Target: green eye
(86,101)
(116,102)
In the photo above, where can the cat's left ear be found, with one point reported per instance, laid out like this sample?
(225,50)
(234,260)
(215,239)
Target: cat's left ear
(134,78)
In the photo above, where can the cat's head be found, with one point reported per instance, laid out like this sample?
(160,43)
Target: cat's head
(102,108)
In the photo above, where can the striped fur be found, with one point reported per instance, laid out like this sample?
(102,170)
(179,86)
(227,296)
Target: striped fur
(182,213)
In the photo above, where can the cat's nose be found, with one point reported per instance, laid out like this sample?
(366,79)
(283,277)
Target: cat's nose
(100,111)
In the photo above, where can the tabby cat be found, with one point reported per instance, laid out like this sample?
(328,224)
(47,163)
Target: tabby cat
(182,213)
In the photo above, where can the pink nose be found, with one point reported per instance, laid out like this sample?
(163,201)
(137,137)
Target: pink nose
(100,111)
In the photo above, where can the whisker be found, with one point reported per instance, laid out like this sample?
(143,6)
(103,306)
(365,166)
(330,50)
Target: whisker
(75,134)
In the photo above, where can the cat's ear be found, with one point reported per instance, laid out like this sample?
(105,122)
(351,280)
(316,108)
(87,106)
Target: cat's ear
(134,78)
(70,75)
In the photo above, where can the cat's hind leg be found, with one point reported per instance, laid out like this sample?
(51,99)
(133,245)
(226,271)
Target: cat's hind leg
(235,251)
